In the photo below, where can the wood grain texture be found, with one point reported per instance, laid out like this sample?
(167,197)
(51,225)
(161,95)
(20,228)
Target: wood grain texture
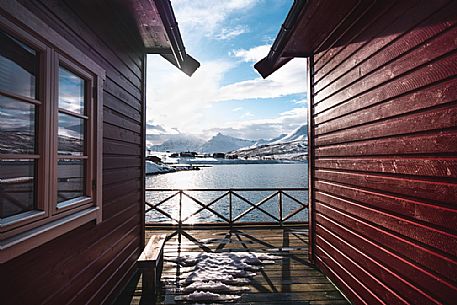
(385,147)
(89,264)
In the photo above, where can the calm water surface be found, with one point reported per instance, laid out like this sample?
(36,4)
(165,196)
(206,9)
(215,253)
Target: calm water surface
(224,177)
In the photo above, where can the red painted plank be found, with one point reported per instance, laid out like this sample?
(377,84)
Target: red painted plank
(357,265)
(438,143)
(438,94)
(120,175)
(438,239)
(114,132)
(354,33)
(112,258)
(113,191)
(444,192)
(364,78)
(118,119)
(107,294)
(71,27)
(357,12)
(121,148)
(431,119)
(75,249)
(128,97)
(320,30)
(434,215)
(391,47)
(111,208)
(404,15)
(129,108)
(418,279)
(399,292)
(111,162)
(340,279)
(439,167)
(352,275)
(409,83)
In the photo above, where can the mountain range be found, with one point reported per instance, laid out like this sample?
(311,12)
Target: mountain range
(225,143)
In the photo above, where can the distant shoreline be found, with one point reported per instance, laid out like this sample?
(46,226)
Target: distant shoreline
(164,168)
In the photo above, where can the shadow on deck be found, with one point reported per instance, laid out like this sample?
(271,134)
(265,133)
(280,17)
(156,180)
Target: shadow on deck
(292,280)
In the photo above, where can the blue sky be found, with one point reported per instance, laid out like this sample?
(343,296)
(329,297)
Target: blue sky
(226,94)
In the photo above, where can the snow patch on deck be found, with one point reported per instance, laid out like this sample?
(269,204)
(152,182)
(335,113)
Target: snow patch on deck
(220,277)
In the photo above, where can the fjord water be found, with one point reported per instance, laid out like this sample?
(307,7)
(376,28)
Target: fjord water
(235,176)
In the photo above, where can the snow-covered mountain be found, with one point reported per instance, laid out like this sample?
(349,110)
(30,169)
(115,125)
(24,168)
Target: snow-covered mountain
(223,143)
(186,142)
(291,146)
(299,134)
(293,142)
(296,150)
(178,143)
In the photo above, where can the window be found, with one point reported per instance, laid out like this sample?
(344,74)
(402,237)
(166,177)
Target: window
(50,147)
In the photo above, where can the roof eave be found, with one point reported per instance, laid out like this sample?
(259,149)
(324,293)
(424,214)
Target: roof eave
(178,55)
(275,59)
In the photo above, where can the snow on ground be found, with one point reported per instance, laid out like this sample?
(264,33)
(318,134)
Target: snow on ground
(220,277)
(154,168)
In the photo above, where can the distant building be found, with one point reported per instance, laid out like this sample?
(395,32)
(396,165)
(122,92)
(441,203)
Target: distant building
(189,154)
(219,155)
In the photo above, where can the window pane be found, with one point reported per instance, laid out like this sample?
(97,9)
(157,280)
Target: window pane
(71,135)
(17,132)
(18,67)
(71,91)
(70,179)
(17,187)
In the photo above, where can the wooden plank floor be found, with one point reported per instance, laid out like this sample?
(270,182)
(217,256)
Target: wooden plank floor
(292,280)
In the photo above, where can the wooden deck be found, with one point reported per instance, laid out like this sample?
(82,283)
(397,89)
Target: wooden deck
(290,281)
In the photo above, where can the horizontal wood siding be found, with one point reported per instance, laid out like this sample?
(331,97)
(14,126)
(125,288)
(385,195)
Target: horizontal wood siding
(385,145)
(88,265)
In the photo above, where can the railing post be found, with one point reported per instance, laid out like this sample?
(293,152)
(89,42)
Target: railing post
(280,206)
(180,209)
(230,208)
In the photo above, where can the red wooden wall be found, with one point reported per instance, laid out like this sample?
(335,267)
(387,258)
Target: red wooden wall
(385,144)
(86,265)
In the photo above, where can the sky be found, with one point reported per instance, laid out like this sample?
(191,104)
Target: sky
(226,94)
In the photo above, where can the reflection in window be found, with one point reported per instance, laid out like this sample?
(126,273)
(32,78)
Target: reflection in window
(71,135)
(70,179)
(71,91)
(17,132)
(18,67)
(17,187)
(71,173)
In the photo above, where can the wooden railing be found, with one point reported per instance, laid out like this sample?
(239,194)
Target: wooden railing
(235,206)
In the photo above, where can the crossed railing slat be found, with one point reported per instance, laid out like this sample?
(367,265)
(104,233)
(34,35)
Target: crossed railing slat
(230,193)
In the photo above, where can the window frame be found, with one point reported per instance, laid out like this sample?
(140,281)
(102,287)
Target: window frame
(27,230)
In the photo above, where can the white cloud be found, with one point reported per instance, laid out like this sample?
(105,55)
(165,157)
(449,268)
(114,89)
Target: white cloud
(290,79)
(208,17)
(229,33)
(247,115)
(264,128)
(252,55)
(179,101)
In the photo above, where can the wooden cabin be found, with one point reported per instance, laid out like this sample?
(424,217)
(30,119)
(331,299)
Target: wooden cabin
(383,144)
(72,143)
(382,152)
